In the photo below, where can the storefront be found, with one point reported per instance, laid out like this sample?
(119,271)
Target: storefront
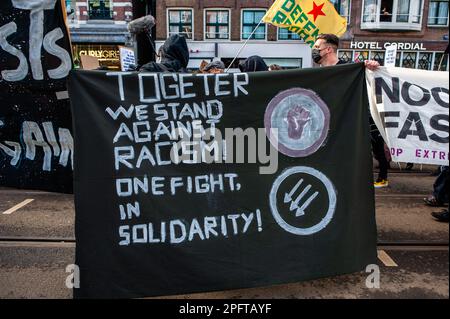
(108,54)
(415,55)
(289,55)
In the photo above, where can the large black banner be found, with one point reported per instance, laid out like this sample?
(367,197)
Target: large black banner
(192,183)
(36,143)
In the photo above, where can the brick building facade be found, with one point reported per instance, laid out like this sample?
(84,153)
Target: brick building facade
(419,27)
(199,8)
(420,32)
(217,29)
(234,14)
(98,28)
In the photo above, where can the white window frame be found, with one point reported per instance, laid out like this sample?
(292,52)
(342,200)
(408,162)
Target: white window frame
(433,56)
(434,59)
(349,12)
(300,40)
(301,59)
(438,25)
(204,24)
(242,25)
(431,61)
(180,9)
(111,7)
(381,25)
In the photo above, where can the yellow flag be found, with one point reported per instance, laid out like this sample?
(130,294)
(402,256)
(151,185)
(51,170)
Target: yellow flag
(307,18)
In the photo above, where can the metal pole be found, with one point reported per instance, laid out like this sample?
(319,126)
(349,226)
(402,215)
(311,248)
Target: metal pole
(442,60)
(243,46)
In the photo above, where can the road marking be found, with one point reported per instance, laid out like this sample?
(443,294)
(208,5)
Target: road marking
(36,245)
(386,259)
(18,206)
(401,196)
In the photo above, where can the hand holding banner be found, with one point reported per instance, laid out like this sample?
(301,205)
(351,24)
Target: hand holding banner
(147,225)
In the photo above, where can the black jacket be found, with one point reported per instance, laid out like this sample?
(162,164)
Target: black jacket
(174,56)
(253,64)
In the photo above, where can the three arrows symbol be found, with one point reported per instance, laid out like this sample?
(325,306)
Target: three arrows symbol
(289,197)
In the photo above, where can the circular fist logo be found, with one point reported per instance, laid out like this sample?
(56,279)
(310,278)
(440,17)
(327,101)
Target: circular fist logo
(297,118)
(301,119)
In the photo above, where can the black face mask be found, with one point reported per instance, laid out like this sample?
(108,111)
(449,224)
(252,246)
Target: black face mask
(315,53)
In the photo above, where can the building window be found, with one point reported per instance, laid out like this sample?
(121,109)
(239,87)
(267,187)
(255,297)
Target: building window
(438,13)
(180,22)
(387,8)
(370,11)
(100,10)
(69,8)
(361,56)
(398,58)
(440,62)
(285,63)
(217,24)
(409,60)
(425,60)
(250,20)
(285,34)
(343,8)
(345,56)
(403,11)
(392,14)
(377,56)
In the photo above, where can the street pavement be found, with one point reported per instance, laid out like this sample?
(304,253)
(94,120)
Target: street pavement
(36,245)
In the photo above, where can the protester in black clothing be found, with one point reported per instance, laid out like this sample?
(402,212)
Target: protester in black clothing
(174,56)
(440,195)
(214,67)
(441,216)
(441,189)
(325,49)
(379,154)
(324,53)
(253,64)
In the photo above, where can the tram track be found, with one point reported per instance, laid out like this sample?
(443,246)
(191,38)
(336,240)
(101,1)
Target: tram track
(399,173)
(71,242)
(382,196)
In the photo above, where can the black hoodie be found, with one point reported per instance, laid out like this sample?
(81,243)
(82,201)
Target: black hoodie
(174,56)
(253,64)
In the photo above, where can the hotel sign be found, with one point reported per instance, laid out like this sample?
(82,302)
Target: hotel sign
(367,45)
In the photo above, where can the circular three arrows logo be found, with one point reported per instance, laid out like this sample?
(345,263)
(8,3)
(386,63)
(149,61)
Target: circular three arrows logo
(303,200)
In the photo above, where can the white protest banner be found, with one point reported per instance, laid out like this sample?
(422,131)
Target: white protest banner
(410,108)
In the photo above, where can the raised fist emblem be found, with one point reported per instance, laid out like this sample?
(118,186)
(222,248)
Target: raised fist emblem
(297,118)
(301,120)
